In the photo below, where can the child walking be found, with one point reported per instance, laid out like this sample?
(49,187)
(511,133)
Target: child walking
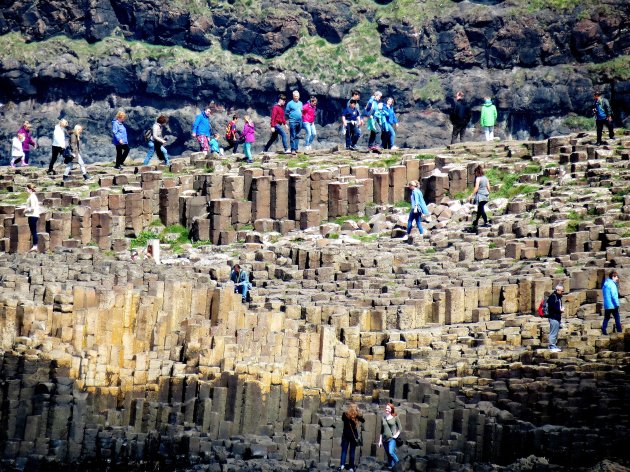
(249,133)
(17,153)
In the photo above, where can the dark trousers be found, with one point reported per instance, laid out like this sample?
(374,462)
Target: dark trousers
(481,212)
(352,135)
(458,130)
(372,139)
(345,445)
(232,144)
(32,224)
(278,130)
(386,140)
(122,151)
(614,312)
(600,127)
(56,151)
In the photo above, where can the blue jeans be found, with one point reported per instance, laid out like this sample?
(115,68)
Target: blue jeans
(278,130)
(311,132)
(607,314)
(248,151)
(417,217)
(554,327)
(345,444)
(151,151)
(242,289)
(392,137)
(390,451)
(294,132)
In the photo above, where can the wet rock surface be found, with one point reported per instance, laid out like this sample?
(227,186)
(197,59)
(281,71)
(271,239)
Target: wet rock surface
(108,362)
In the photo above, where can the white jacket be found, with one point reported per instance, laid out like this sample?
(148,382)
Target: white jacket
(59,137)
(16,148)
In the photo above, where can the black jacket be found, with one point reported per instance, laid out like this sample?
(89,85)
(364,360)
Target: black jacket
(460,113)
(554,304)
(351,431)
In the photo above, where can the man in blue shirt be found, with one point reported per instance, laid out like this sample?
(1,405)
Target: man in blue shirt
(241,281)
(351,121)
(202,129)
(603,116)
(293,112)
(610,293)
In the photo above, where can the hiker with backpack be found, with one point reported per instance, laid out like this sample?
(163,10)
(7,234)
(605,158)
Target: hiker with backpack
(554,313)
(610,292)
(148,136)
(202,129)
(232,135)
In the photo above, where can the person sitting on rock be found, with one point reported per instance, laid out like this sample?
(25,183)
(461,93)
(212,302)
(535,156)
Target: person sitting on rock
(418,208)
(241,281)
(202,129)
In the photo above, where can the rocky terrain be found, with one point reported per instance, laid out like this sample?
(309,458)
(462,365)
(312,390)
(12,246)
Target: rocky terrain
(113,364)
(540,60)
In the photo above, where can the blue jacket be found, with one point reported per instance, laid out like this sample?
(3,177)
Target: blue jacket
(391,115)
(239,278)
(371,107)
(214,146)
(119,132)
(418,199)
(610,291)
(202,126)
(381,117)
(293,111)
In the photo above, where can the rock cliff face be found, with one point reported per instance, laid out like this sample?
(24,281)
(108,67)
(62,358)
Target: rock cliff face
(539,64)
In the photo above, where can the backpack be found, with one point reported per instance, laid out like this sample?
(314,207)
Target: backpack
(543,308)
(148,134)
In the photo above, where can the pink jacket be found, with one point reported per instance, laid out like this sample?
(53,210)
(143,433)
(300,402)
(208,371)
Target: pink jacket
(249,132)
(308,113)
(28,140)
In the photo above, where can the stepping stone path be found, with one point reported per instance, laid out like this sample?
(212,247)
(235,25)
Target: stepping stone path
(109,360)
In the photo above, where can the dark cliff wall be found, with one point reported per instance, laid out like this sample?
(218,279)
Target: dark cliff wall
(539,64)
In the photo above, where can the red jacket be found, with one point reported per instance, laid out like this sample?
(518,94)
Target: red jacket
(277,116)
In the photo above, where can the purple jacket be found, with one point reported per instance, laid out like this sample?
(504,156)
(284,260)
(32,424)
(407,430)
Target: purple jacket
(28,140)
(249,133)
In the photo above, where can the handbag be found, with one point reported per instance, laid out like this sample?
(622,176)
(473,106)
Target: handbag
(399,441)
(67,155)
(476,199)
(358,437)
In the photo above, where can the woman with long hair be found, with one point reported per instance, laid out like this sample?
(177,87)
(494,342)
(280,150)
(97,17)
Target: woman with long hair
(390,430)
(351,436)
(480,195)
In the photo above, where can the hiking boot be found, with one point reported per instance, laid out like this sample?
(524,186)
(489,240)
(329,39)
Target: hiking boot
(66,177)
(86,176)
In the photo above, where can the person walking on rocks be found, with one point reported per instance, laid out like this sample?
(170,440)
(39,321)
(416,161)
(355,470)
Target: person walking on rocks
(241,281)
(249,134)
(418,208)
(488,118)
(370,109)
(151,150)
(75,146)
(159,141)
(610,292)
(381,117)
(351,436)
(480,195)
(555,310)
(350,120)
(120,139)
(309,112)
(59,143)
(392,121)
(356,96)
(232,135)
(215,147)
(17,152)
(460,117)
(202,129)
(278,125)
(32,212)
(603,116)
(293,111)
(390,430)
(28,141)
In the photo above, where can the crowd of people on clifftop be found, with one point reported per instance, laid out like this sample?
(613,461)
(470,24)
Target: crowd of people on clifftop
(287,120)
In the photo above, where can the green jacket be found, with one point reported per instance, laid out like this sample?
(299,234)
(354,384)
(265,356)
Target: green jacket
(488,114)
